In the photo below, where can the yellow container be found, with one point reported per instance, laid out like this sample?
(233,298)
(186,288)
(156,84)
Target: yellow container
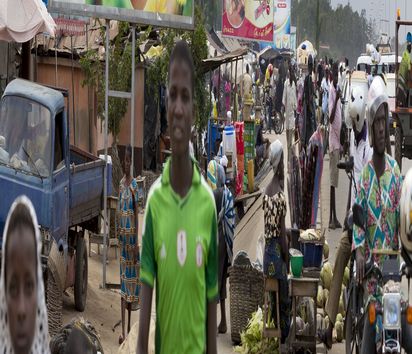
(251,175)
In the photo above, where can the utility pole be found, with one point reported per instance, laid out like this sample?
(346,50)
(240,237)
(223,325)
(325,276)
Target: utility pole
(317,33)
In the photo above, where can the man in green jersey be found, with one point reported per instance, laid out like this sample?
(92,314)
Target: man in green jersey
(179,252)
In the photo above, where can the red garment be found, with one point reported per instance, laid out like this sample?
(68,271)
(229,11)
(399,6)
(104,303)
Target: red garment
(240,143)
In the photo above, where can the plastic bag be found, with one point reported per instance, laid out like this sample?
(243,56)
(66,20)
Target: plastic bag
(260,250)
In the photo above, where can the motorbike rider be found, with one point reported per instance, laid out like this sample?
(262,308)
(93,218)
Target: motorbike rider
(378,194)
(361,152)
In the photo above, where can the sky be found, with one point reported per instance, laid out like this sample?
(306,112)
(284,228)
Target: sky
(382,11)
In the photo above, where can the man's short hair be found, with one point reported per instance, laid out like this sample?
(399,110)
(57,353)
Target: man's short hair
(182,51)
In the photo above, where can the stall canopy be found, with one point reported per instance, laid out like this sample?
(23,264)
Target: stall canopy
(21,20)
(211,64)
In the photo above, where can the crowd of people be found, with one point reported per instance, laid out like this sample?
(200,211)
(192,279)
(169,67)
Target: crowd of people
(189,222)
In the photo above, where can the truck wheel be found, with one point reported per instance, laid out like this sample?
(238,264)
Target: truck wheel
(80,281)
(54,304)
(398,146)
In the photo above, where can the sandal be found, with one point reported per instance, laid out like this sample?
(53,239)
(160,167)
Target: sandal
(121,339)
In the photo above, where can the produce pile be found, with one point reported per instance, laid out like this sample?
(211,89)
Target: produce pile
(326,275)
(252,339)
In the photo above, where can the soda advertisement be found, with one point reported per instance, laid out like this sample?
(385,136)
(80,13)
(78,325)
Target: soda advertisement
(248,19)
(281,24)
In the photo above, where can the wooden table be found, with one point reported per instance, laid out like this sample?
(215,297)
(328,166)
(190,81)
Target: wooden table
(302,287)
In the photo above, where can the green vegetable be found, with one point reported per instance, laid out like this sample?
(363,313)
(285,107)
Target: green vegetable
(325,297)
(339,331)
(341,306)
(252,341)
(319,297)
(339,318)
(326,250)
(346,276)
(326,275)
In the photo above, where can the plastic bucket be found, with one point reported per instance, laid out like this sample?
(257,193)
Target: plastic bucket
(296,262)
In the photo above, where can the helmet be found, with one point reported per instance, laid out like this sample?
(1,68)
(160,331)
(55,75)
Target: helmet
(376,97)
(357,107)
(406,212)
(409,37)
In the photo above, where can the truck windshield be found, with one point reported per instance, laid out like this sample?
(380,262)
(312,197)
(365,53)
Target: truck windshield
(25,135)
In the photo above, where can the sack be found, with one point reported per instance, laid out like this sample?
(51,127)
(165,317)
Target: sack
(343,134)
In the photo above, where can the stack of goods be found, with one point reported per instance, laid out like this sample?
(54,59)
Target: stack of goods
(240,149)
(312,244)
(249,141)
(229,149)
(323,297)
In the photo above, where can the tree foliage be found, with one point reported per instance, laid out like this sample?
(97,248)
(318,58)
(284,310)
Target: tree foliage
(158,70)
(345,31)
(120,74)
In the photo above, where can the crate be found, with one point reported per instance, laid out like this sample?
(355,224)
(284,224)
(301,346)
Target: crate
(312,253)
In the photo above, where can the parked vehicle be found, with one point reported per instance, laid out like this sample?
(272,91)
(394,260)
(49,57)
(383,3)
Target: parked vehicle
(402,114)
(64,183)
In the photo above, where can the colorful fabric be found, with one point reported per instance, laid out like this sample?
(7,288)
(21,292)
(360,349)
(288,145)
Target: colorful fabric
(180,257)
(379,200)
(274,209)
(129,244)
(334,129)
(212,174)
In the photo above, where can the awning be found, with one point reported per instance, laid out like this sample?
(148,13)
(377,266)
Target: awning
(21,20)
(213,63)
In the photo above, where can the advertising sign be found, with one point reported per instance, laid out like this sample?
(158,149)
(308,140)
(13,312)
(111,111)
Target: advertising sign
(165,13)
(281,24)
(248,19)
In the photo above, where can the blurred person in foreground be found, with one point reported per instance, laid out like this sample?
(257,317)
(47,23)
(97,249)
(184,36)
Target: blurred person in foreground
(226,229)
(23,312)
(180,254)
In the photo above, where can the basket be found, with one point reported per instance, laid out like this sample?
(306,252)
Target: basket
(246,294)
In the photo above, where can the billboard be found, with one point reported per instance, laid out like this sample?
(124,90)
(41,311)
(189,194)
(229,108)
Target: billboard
(248,19)
(281,24)
(164,13)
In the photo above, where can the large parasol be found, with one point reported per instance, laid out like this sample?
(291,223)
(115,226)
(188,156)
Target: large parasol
(21,20)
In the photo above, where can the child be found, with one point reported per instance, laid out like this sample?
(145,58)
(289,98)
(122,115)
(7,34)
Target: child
(23,313)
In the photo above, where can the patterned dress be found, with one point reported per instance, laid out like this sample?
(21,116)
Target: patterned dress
(129,243)
(380,201)
(274,210)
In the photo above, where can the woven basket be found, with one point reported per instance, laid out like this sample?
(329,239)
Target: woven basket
(246,294)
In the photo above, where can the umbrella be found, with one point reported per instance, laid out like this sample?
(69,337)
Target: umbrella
(21,20)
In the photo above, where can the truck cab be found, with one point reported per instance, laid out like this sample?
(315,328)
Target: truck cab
(34,158)
(64,183)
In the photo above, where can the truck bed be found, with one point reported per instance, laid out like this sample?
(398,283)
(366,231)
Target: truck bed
(86,186)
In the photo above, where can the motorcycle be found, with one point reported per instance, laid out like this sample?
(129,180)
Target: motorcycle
(392,307)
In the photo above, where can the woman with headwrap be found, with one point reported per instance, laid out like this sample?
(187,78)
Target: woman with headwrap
(275,259)
(226,228)
(23,312)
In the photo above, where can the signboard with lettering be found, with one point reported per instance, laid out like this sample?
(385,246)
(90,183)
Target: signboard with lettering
(248,19)
(281,24)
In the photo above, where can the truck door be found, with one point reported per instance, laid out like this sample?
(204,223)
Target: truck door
(60,189)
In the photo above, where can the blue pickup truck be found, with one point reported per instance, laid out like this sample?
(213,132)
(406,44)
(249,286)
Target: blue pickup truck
(64,183)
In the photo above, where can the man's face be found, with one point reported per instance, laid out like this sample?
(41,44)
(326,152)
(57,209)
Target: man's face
(21,285)
(180,109)
(379,130)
